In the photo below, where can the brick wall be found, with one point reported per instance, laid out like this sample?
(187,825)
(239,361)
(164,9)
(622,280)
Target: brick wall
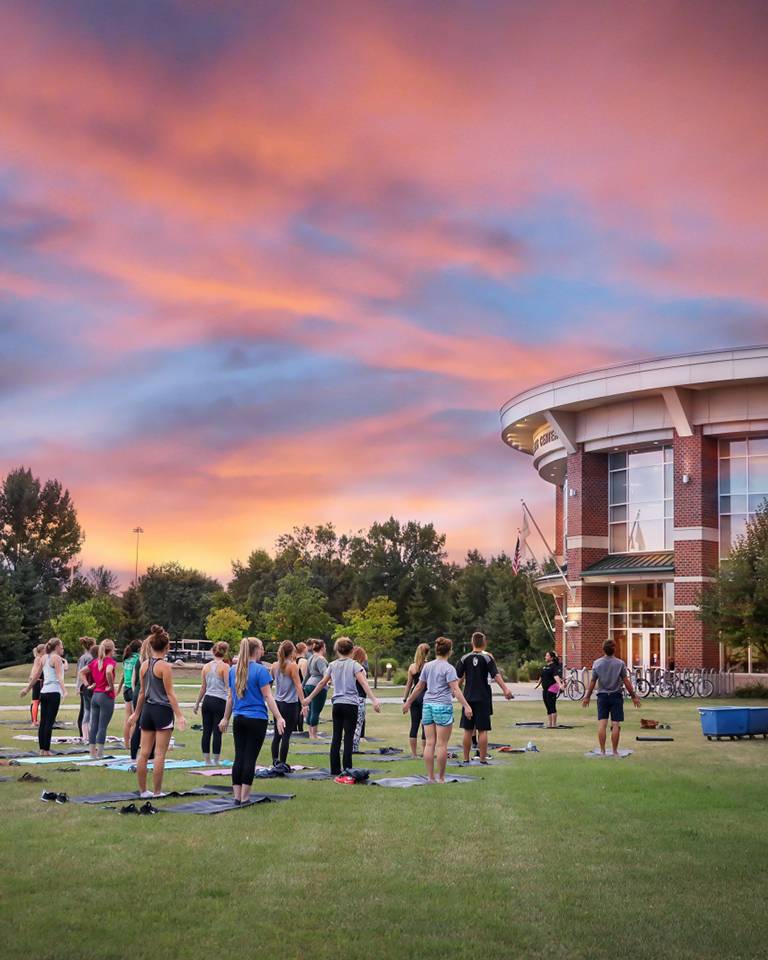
(559,518)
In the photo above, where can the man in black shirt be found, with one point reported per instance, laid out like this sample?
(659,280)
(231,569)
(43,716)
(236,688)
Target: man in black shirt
(476,670)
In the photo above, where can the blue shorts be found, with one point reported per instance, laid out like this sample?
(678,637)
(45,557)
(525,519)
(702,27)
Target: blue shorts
(611,705)
(439,713)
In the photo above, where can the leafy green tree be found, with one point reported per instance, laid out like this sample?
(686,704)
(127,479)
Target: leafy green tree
(225,623)
(253,583)
(735,605)
(375,628)
(298,611)
(134,625)
(419,619)
(325,556)
(108,613)
(78,620)
(178,598)
(13,640)
(103,581)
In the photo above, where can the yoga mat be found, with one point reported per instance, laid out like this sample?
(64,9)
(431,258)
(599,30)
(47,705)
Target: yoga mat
(405,782)
(474,762)
(76,758)
(126,795)
(129,765)
(27,736)
(608,756)
(223,804)
(381,752)
(5,779)
(656,739)
(530,723)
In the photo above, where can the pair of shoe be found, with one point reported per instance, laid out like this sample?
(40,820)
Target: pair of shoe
(50,796)
(145,809)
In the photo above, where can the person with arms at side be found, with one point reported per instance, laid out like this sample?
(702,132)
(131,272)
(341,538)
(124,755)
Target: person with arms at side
(83,684)
(361,657)
(250,701)
(158,709)
(289,697)
(414,675)
(477,669)
(49,669)
(439,684)
(214,691)
(130,659)
(102,668)
(301,660)
(610,673)
(135,728)
(347,678)
(35,686)
(316,668)
(552,683)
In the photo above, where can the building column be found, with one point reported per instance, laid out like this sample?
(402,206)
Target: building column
(696,544)
(587,543)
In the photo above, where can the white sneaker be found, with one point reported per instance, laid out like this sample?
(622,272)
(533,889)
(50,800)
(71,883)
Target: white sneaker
(146,795)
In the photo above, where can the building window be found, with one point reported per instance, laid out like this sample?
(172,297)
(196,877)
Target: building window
(642,623)
(743,486)
(640,498)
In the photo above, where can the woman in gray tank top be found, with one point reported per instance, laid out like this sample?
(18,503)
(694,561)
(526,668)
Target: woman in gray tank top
(316,667)
(289,697)
(214,690)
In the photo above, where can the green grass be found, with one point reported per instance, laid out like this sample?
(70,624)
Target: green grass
(664,854)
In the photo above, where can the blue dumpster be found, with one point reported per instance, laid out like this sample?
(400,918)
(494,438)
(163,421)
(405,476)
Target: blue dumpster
(758,720)
(724,721)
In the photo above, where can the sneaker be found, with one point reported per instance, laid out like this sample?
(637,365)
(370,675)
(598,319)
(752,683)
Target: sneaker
(62,798)
(147,809)
(146,795)
(48,796)
(129,808)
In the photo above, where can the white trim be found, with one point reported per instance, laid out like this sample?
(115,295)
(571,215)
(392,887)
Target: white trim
(588,543)
(738,427)
(587,610)
(686,608)
(710,534)
(678,403)
(694,579)
(564,425)
(625,440)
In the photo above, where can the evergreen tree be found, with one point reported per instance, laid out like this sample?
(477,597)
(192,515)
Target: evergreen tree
(419,620)
(135,625)
(13,640)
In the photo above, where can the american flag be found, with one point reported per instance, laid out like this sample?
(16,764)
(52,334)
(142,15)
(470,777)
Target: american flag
(517,557)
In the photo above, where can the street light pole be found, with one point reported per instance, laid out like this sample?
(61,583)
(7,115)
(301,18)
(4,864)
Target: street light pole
(138,531)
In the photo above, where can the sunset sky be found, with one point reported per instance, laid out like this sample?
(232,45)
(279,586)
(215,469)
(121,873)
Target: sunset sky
(273,263)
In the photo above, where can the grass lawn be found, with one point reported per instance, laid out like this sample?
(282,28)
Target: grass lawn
(663,854)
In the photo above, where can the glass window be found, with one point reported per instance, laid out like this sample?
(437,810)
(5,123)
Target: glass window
(743,486)
(640,493)
(642,621)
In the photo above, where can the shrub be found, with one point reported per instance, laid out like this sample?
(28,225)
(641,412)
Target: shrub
(509,671)
(530,670)
(752,691)
(400,678)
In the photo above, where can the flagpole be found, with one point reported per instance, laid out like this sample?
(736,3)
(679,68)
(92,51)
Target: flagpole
(549,550)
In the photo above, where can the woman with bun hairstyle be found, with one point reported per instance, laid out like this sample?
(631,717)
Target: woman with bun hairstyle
(83,684)
(135,729)
(158,708)
(50,667)
(102,670)
(360,656)
(316,667)
(250,701)
(35,686)
(551,682)
(130,658)
(289,697)
(214,690)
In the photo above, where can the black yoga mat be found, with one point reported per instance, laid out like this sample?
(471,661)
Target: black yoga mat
(126,795)
(405,782)
(530,723)
(474,762)
(656,739)
(223,804)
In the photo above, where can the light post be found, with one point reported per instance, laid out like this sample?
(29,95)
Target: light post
(138,531)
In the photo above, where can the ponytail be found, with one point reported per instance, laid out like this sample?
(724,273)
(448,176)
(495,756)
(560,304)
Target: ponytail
(248,646)
(284,651)
(106,647)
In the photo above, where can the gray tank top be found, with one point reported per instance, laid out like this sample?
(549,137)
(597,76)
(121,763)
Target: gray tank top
(154,685)
(285,688)
(215,684)
(316,667)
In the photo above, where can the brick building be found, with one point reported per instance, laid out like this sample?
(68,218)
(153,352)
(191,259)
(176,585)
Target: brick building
(656,468)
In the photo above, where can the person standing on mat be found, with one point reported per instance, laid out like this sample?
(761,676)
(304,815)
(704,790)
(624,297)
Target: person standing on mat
(552,683)
(135,728)
(611,674)
(130,659)
(316,668)
(102,668)
(35,686)
(414,675)
(214,691)
(477,669)
(49,669)
(360,656)
(158,709)
(83,683)
(289,697)
(345,675)
(439,684)
(301,660)
(250,701)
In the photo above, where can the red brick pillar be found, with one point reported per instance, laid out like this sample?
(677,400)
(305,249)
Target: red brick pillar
(560,557)
(696,545)
(587,543)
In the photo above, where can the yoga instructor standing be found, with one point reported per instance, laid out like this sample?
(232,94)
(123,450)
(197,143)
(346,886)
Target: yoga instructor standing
(551,684)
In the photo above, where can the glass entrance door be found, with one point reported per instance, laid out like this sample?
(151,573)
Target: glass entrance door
(647,648)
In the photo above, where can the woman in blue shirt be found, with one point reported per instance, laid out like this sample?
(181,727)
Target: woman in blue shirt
(249,699)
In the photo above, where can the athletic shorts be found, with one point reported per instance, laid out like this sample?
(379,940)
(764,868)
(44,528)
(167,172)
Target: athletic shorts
(156,716)
(481,716)
(439,713)
(611,705)
(127,694)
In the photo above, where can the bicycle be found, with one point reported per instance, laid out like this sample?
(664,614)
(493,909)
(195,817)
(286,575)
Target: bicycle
(574,689)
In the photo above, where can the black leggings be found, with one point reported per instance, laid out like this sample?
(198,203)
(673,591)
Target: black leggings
(550,702)
(344,721)
(213,713)
(417,708)
(249,736)
(290,712)
(136,740)
(49,707)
